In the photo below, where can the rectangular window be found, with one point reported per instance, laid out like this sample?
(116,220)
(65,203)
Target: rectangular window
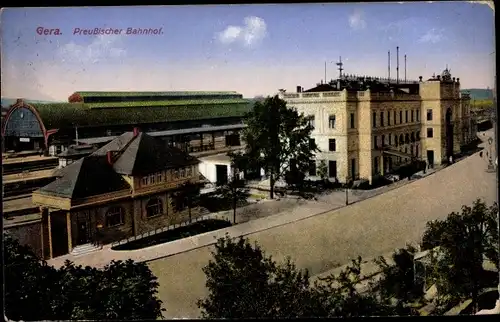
(374,116)
(332,145)
(390,139)
(400,117)
(352,121)
(152,179)
(331,121)
(418,115)
(159,177)
(406,116)
(429,114)
(412,116)
(430,132)
(311,121)
(312,167)
(144,181)
(176,174)
(375,145)
(183,172)
(381,118)
(389,118)
(383,140)
(312,142)
(375,164)
(395,119)
(332,169)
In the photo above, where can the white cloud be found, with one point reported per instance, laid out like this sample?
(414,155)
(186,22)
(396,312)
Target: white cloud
(356,20)
(254,29)
(432,36)
(101,48)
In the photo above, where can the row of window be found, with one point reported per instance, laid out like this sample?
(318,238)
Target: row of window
(409,116)
(332,168)
(332,144)
(396,140)
(115,216)
(332,121)
(160,177)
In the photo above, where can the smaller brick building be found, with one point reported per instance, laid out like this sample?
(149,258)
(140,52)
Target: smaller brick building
(128,187)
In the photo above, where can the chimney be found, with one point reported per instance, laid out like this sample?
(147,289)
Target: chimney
(299,89)
(389,67)
(136,131)
(109,156)
(397,65)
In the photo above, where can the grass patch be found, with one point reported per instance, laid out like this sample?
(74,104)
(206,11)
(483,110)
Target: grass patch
(193,229)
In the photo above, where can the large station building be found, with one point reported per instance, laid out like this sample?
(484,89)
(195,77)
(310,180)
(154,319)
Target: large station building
(366,127)
(189,120)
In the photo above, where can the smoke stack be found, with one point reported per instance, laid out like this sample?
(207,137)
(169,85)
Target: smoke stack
(397,65)
(299,89)
(109,156)
(389,65)
(136,131)
(405,68)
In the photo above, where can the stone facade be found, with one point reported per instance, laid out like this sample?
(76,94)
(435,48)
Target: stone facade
(351,126)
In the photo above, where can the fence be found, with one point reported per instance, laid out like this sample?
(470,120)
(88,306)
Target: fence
(167,228)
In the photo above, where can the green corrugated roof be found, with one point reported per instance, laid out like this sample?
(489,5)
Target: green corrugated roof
(151,94)
(62,115)
(166,103)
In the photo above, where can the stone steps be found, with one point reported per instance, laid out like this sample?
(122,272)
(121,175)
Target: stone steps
(84,249)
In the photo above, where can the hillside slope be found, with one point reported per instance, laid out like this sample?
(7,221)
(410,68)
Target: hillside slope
(479,93)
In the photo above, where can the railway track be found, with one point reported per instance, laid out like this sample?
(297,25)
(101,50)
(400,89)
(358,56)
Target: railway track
(28,167)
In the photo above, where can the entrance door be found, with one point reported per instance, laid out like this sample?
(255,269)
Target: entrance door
(83,233)
(430,158)
(332,169)
(221,174)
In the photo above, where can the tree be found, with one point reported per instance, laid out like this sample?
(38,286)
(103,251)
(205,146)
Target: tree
(36,291)
(323,170)
(464,240)
(234,190)
(398,280)
(186,196)
(276,134)
(341,296)
(243,282)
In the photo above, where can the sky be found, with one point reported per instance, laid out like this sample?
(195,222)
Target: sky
(251,49)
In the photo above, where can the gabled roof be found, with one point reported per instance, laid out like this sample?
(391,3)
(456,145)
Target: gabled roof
(89,176)
(144,154)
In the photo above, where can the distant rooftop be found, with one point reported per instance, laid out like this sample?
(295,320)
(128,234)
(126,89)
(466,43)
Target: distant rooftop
(104,97)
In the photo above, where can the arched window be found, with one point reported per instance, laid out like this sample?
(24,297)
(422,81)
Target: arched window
(401,139)
(154,207)
(407,138)
(115,216)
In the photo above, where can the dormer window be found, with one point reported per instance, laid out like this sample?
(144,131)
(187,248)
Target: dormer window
(183,173)
(189,171)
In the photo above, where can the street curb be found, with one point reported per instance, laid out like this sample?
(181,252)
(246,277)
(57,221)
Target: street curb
(274,226)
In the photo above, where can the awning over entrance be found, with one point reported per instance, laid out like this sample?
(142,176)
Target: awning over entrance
(397,153)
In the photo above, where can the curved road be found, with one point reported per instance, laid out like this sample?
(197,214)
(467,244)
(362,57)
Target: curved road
(368,228)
